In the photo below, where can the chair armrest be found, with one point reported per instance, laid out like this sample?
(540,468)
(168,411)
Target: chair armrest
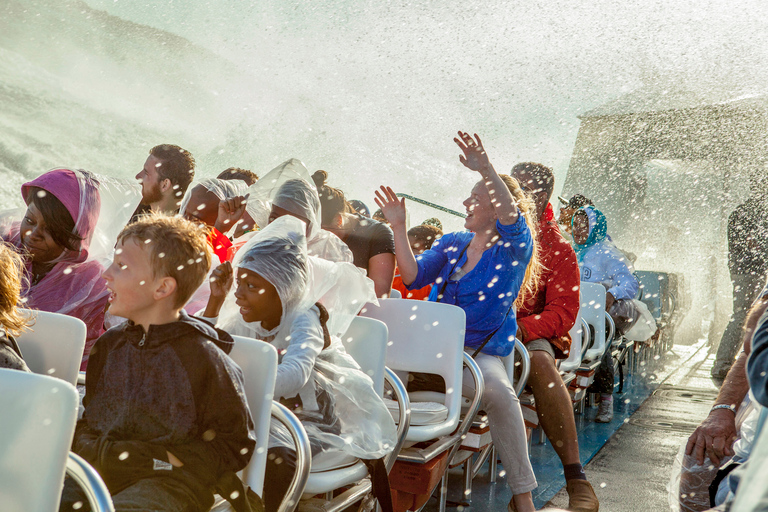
(303,456)
(611,330)
(90,482)
(525,369)
(401,395)
(587,340)
(81,379)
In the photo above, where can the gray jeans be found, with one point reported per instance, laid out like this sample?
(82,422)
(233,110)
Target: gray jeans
(505,419)
(745,290)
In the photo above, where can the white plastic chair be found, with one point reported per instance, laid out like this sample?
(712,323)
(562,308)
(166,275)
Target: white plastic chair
(428,337)
(366,341)
(258,361)
(395,294)
(53,345)
(36,429)
(593,311)
(573,361)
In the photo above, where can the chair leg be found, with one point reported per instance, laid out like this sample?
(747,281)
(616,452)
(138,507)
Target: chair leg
(493,466)
(443,491)
(542,436)
(468,480)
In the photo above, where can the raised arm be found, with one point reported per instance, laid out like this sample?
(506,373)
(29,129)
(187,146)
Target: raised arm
(476,159)
(394,210)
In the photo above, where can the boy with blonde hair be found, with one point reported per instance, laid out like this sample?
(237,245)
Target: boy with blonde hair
(166,420)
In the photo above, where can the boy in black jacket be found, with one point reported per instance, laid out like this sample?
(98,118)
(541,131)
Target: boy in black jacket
(165,411)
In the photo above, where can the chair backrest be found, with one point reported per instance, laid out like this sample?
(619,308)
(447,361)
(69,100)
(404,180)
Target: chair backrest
(592,310)
(653,290)
(426,337)
(53,345)
(573,361)
(37,423)
(366,342)
(395,294)
(258,360)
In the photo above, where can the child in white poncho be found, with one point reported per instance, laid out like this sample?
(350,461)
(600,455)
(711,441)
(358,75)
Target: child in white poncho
(278,298)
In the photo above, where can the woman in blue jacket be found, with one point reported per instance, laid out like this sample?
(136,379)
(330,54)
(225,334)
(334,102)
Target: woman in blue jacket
(482,271)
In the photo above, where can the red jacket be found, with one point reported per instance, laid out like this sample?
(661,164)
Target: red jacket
(553,311)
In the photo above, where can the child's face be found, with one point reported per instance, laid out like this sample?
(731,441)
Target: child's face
(258,299)
(130,281)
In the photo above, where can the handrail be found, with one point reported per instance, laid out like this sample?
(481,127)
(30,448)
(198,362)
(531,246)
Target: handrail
(90,482)
(303,456)
(526,367)
(611,330)
(432,205)
(401,395)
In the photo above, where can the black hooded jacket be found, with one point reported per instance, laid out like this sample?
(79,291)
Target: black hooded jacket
(173,389)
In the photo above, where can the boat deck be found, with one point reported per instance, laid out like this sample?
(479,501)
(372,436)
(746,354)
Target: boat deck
(628,461)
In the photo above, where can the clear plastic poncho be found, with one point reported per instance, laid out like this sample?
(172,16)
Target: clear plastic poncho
(290,187)
(345,414)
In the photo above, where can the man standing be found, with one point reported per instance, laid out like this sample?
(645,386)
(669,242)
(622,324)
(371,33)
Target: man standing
(165,177)
(543,325)
(747,262)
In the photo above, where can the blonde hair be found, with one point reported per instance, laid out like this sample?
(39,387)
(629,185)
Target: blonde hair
(178,248)
(11,275)
(534,269)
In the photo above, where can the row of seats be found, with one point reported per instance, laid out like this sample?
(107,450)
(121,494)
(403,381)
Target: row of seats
(394,338)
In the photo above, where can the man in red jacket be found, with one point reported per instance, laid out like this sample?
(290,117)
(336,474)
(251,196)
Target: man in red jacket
(543,325)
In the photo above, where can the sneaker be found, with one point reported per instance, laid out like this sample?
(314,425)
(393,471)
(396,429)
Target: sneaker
(604,412)
(581,496)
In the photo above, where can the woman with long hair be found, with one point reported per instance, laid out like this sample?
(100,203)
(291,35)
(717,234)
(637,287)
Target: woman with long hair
(484,271)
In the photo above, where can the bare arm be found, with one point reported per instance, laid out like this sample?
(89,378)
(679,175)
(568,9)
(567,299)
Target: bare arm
(717,433)
(394,210)
(476,159)
(381,270)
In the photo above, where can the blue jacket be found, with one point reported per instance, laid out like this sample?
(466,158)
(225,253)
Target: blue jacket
(487,292)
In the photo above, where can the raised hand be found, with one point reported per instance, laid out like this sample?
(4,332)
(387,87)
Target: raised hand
(474,157)
(392,207)
(221,281)
(230,211)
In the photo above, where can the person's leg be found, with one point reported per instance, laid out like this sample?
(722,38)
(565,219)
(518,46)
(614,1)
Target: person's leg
(161,494)
(505,419)
(745,290)
(555,411)
(281,466)
(553,402)
(73,498)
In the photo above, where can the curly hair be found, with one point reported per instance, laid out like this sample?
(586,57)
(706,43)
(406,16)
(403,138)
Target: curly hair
(11,276)
(178,248)
(236,173)
(534,269)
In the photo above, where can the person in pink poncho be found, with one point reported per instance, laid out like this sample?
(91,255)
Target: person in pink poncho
(54,236)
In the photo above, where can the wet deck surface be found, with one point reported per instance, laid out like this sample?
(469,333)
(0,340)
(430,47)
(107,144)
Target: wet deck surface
(629,459)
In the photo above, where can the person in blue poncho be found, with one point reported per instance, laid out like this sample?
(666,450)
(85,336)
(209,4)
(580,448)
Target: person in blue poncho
(482,271)
(602,262)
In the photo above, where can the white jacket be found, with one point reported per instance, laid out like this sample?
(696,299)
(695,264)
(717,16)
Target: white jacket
(605,264)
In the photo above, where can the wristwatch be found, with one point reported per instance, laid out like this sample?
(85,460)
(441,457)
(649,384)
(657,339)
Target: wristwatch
(724,406)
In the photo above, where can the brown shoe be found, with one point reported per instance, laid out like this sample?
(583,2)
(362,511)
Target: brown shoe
(581,496)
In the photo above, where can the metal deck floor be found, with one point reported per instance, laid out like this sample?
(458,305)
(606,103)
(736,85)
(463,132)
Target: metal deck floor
(628,461)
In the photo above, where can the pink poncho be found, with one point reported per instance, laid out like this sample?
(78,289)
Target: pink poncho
(74,286)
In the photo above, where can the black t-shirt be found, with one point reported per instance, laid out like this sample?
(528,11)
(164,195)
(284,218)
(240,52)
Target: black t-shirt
(368,239)
(748,238)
